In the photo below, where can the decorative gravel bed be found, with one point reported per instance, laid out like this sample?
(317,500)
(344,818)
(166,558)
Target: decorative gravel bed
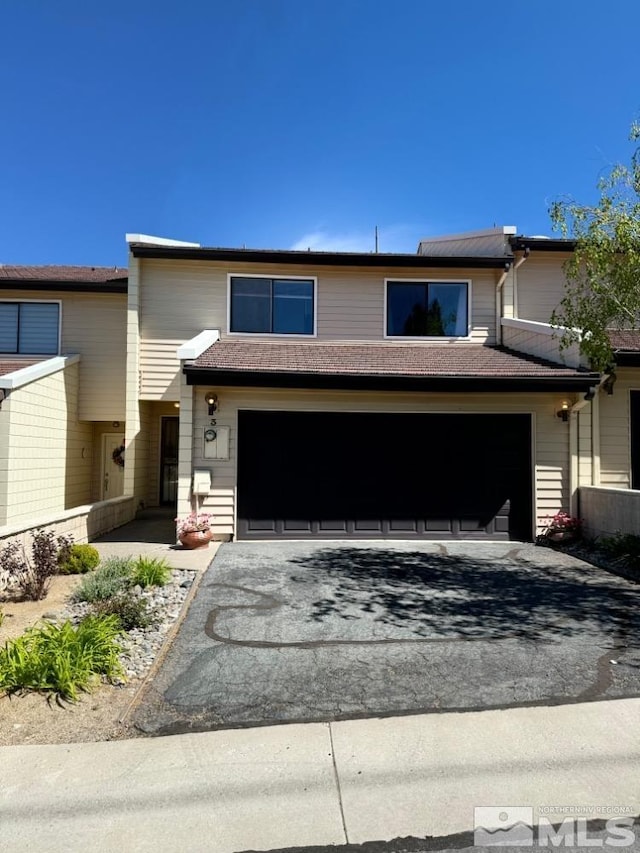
(141,645)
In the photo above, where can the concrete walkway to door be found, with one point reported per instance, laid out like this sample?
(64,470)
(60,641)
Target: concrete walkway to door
(153,534)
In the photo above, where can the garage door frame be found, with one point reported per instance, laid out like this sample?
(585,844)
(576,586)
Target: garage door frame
(533,485)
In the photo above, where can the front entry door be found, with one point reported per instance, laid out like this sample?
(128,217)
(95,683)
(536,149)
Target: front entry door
(169,461)
(112,472)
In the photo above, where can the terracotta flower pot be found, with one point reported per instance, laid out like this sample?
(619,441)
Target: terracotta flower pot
(196,539)
(562,535)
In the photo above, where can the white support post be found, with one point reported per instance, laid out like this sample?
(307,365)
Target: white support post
(595,440)
(185,447)
(574,463)
(132,426)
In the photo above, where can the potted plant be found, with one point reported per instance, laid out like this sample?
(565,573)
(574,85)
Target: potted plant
(562,527)
(194,531)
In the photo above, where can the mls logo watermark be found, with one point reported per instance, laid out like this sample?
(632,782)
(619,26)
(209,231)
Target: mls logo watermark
(496,826)
(514,826)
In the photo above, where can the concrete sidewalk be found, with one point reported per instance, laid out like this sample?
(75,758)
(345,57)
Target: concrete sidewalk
(321,783)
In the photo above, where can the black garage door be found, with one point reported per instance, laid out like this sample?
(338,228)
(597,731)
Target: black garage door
(337,474)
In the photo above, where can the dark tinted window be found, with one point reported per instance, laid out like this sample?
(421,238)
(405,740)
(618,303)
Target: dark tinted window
(29,328)
(272,306)
(427,309)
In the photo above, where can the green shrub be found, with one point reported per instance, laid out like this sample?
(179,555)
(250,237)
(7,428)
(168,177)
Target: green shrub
(111,578)
(78,560)
(150,571)
(625,546)
(130,611)
(62,658)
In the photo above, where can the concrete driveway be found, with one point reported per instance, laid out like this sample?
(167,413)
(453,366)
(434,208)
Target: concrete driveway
(294,631)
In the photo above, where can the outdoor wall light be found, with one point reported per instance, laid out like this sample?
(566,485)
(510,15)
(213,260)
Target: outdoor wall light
(563,411)
(212,402)
(176,405)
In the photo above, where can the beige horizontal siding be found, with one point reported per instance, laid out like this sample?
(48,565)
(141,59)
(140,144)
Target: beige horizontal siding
(551,435)
(48,454)
(180,298)
(93,325)
(5,423)
(540,345)
(540,285)
(143,461)
(615,450)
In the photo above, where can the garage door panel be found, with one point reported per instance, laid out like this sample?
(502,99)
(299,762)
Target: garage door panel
(336,474)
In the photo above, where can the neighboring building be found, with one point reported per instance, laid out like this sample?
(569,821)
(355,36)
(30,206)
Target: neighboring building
(62,385)
(313,394)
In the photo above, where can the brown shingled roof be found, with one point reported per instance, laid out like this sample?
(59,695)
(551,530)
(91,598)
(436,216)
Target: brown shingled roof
(456,360)
(625,340)
(51,272)
(10,365)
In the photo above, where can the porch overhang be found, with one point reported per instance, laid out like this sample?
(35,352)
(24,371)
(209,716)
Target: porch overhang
(382,367)
(365,382)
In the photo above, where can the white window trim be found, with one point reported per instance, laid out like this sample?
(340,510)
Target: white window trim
(423,280)
(57,302)
(297,335)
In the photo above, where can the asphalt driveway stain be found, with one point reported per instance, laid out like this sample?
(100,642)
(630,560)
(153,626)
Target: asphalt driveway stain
(268,602)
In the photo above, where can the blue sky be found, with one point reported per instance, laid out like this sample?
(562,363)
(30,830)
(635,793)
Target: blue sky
(295,123)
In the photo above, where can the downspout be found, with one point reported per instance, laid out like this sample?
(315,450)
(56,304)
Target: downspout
(499,286)
(517,265)
(508,267)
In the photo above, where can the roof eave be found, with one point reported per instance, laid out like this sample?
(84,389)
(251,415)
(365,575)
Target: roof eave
(278,256)
(628,358)
(389,382)
(113,286)
(542,245)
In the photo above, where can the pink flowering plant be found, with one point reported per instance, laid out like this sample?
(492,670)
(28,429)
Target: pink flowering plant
(195,522)
(562,522)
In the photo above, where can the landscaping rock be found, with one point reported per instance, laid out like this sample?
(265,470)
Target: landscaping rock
(141,645)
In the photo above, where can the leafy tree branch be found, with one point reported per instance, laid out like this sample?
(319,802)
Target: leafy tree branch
(603,273)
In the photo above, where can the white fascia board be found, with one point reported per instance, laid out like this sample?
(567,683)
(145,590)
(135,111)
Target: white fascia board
(530,326)
(37,371)
(506,230)
(158,241)
(533,326)
(196,346)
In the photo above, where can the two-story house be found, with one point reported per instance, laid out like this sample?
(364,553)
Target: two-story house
(330,394)
(311,394)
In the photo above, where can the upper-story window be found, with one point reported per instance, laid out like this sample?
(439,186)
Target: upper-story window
(427,309)
(30,328)
(271,306)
